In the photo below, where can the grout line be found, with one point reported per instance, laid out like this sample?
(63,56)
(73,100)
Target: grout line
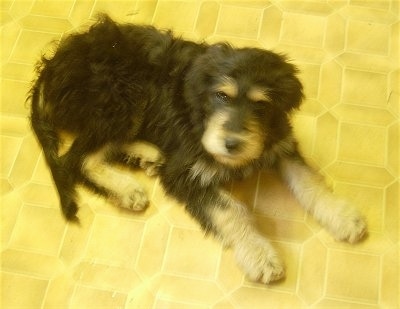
(299,267)
(380,279)
(154,13)
(26,275)
(9,58)
(139,252)
(325,280)
(167,247)
(15,158)
(92,11)
(45,294)
(218,19)
(260,23)
(194,26)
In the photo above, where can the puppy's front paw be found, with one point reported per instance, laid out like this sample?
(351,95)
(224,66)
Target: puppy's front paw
(152,165)
(259,260)
(348,224)
(144,155)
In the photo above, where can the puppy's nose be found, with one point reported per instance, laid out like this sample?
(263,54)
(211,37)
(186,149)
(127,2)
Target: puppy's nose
(232,144)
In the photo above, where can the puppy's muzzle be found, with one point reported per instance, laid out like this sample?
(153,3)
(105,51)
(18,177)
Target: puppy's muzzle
(234,148)
(233,144)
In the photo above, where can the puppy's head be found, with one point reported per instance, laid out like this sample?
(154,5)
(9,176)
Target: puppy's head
(241,97)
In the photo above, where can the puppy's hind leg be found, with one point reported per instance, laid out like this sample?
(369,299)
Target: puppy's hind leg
(340,218)
(117,183)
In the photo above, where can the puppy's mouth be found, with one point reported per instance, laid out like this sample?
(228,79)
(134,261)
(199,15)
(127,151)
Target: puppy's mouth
(234,149)
(231,160)
(234,159)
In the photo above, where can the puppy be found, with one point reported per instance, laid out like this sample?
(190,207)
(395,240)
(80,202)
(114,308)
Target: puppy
(198,115)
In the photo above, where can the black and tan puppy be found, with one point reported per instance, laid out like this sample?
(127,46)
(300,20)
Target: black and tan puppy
(216,113)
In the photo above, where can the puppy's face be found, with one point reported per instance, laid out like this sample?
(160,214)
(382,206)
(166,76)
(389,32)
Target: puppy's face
(234,133)
(242,95)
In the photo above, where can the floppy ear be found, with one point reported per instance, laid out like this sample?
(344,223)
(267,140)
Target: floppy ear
(288,91)
(201,75)
(203,69)
(219,51)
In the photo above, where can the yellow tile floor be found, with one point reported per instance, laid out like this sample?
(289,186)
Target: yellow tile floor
(348,53)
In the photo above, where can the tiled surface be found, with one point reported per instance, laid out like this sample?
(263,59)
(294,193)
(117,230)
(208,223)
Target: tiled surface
(348,52)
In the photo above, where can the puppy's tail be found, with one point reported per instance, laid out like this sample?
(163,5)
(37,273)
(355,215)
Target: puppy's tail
(49,140)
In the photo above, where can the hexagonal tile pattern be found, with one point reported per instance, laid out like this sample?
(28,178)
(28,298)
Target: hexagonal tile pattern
(347,53)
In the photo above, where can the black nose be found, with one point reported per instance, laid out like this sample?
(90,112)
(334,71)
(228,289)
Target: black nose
(232,144)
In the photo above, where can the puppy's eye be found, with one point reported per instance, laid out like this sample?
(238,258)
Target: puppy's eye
(222,96)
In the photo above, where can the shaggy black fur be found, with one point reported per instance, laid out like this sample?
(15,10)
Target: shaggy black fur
(120,83)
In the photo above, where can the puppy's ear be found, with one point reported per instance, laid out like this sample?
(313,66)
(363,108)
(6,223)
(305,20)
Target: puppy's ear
(288,91)
(219,51)
(201,74)
(205,68)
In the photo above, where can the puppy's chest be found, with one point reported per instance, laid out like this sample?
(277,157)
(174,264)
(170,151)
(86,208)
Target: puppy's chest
(210,173)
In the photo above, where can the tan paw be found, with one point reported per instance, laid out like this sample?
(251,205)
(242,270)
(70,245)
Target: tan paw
(258,259)
(348,224)
(145,156)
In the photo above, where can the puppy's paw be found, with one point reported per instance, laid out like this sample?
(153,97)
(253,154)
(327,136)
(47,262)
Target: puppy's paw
(348,224)
(145,156)
(152,165)
(258,259)
(135,200)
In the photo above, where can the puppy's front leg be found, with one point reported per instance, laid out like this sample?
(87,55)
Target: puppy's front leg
(228,219)
(340,218)
(233,224)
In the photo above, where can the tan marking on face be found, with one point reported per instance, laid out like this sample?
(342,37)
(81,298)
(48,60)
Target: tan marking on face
(228,86)
(215,135)
(257,94)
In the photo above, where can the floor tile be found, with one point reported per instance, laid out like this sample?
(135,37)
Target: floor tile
(207,18)
(361,285)
(10,148)
(373,85)
(304,29)
(201,291)
(239,21)
(355,147)
(40,265)
(199,260)
(178,14)
(257,298)
(33,219)
(106,277)
(118,248)
(53,8)
(11,297)
(59,292)
(374,38)
(8,99)
(10,209)
(88,297)
(31,44)
(45,23)
(312,269)
(154,244)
